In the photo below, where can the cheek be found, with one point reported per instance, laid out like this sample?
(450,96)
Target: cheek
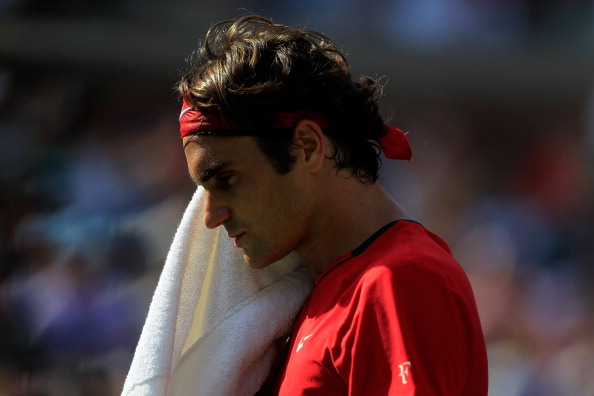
(290,210)
(280,221)
(289,202)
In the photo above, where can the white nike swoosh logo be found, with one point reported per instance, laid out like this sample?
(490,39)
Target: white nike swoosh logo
(301,342)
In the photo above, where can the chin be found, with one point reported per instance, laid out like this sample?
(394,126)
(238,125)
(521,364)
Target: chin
(262,258)
(255,263)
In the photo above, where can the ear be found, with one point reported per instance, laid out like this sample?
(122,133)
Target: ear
(310,144)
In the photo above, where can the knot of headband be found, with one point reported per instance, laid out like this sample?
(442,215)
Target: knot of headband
(393,143)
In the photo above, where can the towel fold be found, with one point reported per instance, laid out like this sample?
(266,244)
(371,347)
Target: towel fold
(213,321)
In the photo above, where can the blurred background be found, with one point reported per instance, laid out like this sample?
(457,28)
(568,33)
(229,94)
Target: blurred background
(498,97)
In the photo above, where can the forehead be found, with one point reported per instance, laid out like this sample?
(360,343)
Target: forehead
(208,152)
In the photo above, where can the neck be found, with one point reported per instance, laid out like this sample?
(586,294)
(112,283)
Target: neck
(348,215)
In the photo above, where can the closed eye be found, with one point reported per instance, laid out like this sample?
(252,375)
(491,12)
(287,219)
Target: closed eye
(224,181)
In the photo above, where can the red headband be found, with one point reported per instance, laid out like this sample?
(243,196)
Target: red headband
(394,143)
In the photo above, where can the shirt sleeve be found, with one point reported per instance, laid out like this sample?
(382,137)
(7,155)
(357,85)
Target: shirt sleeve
(408,332)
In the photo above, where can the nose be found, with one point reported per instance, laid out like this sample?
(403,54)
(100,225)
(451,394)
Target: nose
(215,213)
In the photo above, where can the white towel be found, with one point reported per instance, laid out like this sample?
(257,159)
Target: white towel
(213,321)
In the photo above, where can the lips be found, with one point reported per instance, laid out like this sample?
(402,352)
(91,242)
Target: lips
(237,237)
(235,234)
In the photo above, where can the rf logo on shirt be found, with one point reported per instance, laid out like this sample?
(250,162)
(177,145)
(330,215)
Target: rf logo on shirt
(404,371)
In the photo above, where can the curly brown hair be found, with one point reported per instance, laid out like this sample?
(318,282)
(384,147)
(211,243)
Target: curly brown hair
(250,69)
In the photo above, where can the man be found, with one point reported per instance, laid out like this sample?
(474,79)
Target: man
(286,147)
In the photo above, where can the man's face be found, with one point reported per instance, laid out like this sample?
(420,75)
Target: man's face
(265,212)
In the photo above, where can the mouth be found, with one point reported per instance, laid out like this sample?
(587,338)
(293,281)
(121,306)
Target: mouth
(237,237)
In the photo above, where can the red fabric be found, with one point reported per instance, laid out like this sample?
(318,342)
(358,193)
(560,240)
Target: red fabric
(394,144)
(289,120)
(398,319)
(191,120)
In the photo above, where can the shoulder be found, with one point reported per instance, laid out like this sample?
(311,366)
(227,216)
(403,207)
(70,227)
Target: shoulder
(406,250)
(406,262)
(411,264)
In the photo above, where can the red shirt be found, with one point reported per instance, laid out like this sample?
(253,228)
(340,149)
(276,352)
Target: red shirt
(396,316)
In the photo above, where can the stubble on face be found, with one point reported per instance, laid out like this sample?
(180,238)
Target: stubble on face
(268,211)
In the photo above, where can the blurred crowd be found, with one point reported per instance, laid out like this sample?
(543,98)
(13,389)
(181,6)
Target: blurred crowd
(93,183)
(419,23)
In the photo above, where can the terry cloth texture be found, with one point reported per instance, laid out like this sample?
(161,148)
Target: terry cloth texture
(213,321)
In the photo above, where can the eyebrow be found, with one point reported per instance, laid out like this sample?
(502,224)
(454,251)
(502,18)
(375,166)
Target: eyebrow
(211,171)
